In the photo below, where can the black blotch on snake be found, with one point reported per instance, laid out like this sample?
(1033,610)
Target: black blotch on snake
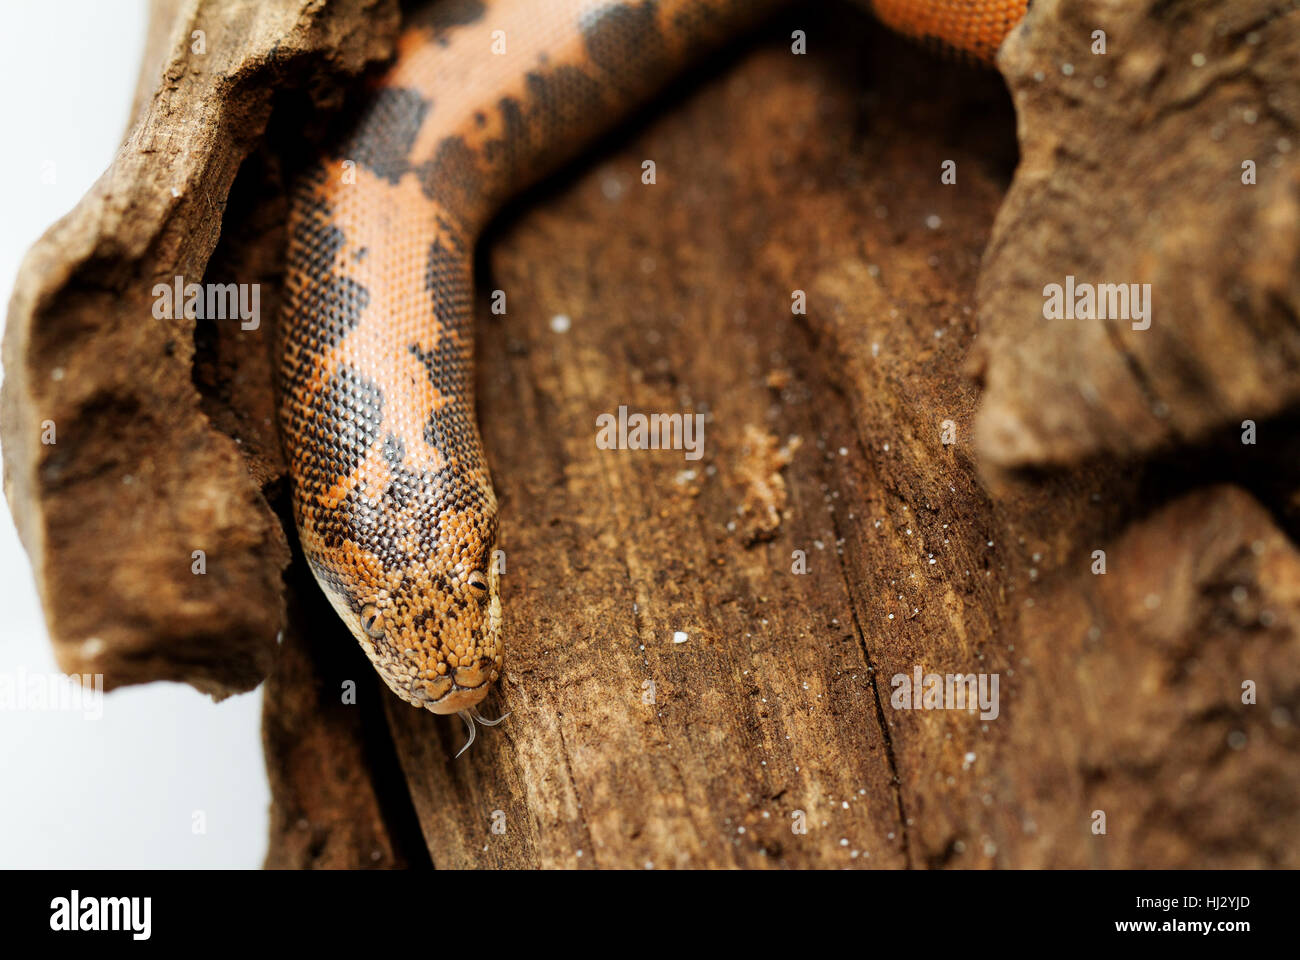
(382,139)
(352,411)
(447,14)
(327,306)
(453,179)
(624,41)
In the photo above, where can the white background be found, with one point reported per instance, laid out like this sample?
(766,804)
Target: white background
(121,791)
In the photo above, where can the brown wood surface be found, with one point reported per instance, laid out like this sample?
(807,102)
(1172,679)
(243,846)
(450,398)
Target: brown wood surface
(1120,693)
(778,175)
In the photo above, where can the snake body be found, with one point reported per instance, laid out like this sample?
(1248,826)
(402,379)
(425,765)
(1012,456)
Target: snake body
(391,491)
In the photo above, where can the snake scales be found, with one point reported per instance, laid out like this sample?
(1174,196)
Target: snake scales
(391,491)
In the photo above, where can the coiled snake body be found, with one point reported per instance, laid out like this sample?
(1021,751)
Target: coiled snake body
(391,491)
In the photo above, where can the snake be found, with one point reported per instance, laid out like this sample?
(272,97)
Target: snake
(391,492)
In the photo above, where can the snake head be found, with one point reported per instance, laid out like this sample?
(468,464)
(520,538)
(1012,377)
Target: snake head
(432,631)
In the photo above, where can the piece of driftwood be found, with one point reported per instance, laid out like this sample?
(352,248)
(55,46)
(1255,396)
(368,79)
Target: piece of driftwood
(1168,160)
(705,655)
(137,487)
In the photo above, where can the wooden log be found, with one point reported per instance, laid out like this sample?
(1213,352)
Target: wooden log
(707,657)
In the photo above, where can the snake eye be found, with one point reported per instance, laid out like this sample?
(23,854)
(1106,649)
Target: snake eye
(372,621)
(478,581)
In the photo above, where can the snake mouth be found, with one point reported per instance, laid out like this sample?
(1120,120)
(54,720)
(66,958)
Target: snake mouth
(443,695)
(460,698)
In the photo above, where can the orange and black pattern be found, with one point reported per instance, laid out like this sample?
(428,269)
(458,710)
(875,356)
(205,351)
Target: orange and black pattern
(391,490)
(972,28)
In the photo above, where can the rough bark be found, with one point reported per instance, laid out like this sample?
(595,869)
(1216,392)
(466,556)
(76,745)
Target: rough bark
(682,695)
(1132,172)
